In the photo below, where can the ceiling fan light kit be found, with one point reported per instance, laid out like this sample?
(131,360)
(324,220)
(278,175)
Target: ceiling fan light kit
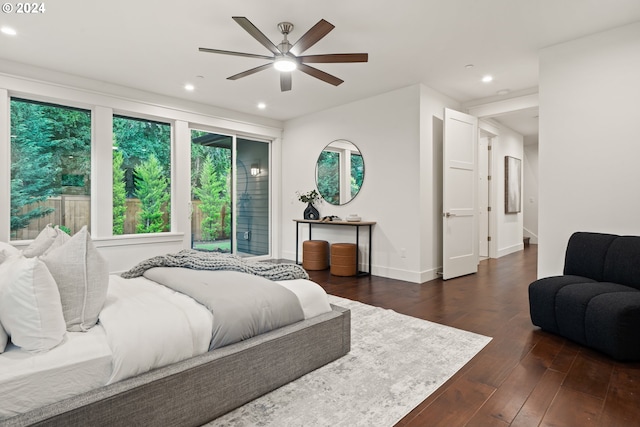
(283,63)
(287,57)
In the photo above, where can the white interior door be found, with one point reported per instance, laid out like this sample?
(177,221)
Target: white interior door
(459,194)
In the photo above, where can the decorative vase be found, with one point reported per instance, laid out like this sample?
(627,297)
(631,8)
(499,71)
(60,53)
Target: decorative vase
(311,212)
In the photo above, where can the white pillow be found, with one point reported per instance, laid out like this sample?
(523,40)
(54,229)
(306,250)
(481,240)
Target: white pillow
(3,334)
(30,309)
(48,239)
(82,276)
(8,250)
(4,338)
(4,254)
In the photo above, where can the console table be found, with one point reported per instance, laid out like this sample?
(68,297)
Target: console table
(356,224)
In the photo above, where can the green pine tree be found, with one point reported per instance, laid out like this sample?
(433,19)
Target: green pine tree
(32,166)
(211,194)
(152,188)
(119,194)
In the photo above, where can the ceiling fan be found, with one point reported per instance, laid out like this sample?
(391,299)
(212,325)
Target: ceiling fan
(286,57)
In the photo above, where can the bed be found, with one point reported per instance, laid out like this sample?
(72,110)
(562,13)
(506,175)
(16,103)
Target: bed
(172,375)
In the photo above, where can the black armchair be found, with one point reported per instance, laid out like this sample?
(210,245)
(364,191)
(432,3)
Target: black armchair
(596,302)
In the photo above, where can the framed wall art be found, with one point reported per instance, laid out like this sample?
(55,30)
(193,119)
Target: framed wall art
(512,184)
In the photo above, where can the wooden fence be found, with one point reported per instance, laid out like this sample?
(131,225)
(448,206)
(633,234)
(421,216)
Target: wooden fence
(197,217)
(70,211)
(75,211)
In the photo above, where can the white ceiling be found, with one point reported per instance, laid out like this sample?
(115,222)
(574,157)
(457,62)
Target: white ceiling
(152,45)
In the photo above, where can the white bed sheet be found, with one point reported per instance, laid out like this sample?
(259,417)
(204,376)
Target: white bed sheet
(80,363)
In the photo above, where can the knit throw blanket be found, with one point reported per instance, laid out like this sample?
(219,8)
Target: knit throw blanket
(197,260)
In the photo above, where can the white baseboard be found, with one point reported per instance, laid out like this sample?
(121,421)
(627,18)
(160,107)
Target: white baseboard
(387,272)
(511,249)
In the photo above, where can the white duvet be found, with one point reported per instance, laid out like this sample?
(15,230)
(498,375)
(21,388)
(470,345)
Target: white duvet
(149,326)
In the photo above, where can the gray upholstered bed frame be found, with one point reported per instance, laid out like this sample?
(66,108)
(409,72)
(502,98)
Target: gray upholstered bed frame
(197,390)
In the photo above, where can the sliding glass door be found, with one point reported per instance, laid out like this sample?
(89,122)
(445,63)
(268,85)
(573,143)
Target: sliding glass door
(252,197)
(230,194)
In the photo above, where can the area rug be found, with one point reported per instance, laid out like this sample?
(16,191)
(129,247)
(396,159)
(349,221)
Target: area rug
(395,362)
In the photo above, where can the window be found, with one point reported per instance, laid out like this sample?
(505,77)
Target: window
(141,176)
(50,167)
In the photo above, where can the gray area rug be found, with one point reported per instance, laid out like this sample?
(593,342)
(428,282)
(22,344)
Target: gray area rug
(395,362)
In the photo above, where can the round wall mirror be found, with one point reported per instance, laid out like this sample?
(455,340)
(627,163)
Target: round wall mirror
(339,172)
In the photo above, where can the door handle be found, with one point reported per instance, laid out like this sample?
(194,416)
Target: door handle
(448,214)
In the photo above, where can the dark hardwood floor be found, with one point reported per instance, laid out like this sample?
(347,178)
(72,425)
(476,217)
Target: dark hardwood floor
(523,377)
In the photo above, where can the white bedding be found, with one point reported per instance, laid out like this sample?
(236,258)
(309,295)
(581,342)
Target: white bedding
(149,326)
(142,326)
(312,297)
(30,380)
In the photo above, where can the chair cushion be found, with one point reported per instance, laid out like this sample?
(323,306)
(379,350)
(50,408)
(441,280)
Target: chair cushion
(611,324)
(586,253)
(542,299)
(622,264)
(572,302)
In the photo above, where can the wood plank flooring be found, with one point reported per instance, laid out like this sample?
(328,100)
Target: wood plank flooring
(524,377)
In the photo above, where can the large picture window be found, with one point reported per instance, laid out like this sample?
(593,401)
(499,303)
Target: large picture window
(50,167)
(141,176)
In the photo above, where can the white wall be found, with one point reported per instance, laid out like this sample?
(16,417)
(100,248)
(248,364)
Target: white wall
(509,229)
(589,140)
(395,132)
(530,191)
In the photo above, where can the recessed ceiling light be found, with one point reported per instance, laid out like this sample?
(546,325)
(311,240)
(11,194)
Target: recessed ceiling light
(189,87)
(487,79)
(9,31)
(262,105)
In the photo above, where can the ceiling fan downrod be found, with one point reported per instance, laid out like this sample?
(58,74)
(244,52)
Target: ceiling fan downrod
(285,28)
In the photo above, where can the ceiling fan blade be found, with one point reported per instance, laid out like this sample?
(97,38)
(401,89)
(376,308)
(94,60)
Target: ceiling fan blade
(249,72)
(334,57)
(257,34)
(229,52)
(311,37)
(285,81)
(325,77)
